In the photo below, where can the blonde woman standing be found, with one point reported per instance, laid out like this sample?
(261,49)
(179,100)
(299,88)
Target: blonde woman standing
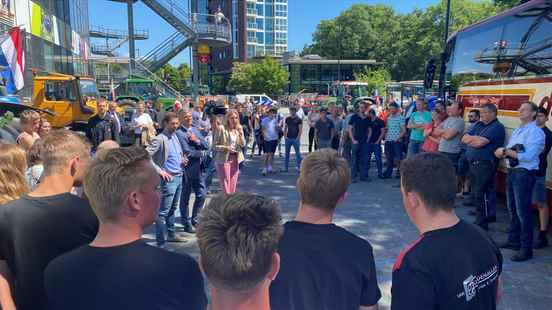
(228,142)
(13,165)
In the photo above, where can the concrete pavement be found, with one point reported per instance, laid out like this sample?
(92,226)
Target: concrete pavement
(375,212)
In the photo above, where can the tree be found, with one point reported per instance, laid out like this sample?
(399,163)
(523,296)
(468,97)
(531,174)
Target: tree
(402,42)
(266,76)
(376,79)
(508,4)
(177,78)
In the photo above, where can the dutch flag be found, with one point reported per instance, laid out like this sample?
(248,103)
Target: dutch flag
(12,58)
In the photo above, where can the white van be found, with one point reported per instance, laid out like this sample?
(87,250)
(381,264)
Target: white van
(257,99)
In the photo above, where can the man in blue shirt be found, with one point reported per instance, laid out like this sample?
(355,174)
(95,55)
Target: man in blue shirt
(168,160)
(193,145)
(481,142)
(522,158)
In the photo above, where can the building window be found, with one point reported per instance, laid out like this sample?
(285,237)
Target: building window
(260,9)
(260,23)
(251,22)
(269,38)
(250,51)
(260,37)
(251,36)
(251,8)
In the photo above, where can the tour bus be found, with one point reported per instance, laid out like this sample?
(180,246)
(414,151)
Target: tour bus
(505,60)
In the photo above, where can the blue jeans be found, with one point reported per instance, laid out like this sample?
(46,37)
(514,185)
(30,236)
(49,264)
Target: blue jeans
(414,147)
(393,153)
(295,143)
(376,149)
(210,171)
(195,183)
(359,157)
(520,187)
(170,200)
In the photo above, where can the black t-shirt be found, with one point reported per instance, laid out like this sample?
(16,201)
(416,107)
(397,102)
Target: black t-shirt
(34,231)
(244,121)
(454,268)
(292,124)
(323,267)
(360,128)
(131,276)
(377,126)
(100,129)
(543,157)
(324,129)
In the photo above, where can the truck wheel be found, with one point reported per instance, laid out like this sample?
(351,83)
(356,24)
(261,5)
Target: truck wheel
(126,103)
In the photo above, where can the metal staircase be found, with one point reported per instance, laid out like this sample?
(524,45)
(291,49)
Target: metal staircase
(164,52)
(113,39)
(214,30)
(191,28)
(171,12)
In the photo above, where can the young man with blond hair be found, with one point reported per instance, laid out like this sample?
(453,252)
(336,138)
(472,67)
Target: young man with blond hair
(323,266)
(238,238)
(118,270)
(49,221)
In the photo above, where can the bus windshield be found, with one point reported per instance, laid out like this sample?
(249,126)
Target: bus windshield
(514,45)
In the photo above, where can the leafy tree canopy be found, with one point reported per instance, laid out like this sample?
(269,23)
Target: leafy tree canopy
(402,42)
(266,76)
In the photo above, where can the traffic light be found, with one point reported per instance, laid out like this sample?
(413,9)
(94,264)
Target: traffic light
(431,66)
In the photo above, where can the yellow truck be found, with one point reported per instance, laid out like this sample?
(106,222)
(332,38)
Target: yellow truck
(71,99)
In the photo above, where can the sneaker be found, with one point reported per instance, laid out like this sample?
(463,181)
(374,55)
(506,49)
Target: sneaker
(542,242)
(176,238)
(264,172)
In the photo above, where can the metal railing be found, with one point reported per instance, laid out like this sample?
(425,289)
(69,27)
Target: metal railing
(167,89)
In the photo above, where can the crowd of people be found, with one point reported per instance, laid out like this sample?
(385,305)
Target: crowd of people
(73,208)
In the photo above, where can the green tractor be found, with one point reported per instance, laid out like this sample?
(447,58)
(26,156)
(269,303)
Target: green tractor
(348,92)
(133,90)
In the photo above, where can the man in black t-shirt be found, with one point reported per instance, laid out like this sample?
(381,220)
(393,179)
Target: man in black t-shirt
(377,133)
(453,265)
(47,222)
(323,266)
(102,126)
(293,130)
(118,270)
(539,190)
(359,131)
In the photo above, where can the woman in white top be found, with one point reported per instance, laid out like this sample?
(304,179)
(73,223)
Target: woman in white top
(140,121)
(228,142)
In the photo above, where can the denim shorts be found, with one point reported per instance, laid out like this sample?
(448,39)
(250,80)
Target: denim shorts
(539,190)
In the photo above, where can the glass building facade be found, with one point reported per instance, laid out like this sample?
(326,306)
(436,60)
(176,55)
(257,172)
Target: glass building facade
(316,76)
(267,28)
(57,37)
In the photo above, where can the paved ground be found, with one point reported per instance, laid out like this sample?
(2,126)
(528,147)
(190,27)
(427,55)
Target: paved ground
(375,212)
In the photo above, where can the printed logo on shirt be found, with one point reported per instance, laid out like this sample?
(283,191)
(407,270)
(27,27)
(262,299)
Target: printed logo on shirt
(473,284)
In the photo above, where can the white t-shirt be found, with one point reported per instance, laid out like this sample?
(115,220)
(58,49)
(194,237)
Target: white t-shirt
(143,119)
(271,126)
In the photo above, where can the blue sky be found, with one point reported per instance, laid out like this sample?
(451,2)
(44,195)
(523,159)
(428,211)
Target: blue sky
(304,15)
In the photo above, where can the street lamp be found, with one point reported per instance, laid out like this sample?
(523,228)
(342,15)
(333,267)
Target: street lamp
(442,77)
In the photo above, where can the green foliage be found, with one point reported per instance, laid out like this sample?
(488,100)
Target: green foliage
(375,78)
(402,42)
(177,77)
(6,119)
(508,4)
(266,76)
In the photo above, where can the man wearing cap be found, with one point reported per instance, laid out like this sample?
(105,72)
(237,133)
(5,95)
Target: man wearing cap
(324,130)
